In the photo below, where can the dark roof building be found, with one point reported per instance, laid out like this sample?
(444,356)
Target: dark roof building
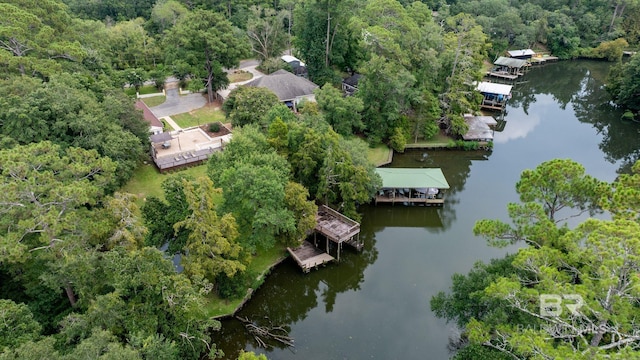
(290,89)
(350,84)
(155,125)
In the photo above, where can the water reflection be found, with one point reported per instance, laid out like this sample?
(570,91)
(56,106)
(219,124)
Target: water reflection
(375,304)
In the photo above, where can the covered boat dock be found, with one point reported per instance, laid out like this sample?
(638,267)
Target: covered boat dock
(508,68)
(480,128)
(412,185)
(495,95)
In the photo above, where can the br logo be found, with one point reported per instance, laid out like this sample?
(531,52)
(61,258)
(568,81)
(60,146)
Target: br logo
(551,304)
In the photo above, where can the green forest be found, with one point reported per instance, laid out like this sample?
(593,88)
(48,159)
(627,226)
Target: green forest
(81,271)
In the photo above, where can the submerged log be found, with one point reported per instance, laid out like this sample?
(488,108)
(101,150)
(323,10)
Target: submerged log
(262,334)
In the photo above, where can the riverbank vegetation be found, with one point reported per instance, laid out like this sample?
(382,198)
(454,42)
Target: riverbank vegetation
(80,262)
(588,271)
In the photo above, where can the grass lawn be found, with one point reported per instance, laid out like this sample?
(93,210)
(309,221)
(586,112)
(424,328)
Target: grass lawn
(238,76)
(154,101)
(217,307)
(147,180)
(204,115)
(379,154)
(147,89)
(439,140)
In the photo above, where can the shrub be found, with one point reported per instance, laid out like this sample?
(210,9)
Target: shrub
(233,287)
(398,140)
(214,127)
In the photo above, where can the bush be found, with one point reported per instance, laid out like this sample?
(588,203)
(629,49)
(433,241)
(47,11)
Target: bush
(233,287)
(398,140)
(214,127)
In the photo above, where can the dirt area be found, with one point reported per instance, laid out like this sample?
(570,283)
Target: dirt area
(224,130)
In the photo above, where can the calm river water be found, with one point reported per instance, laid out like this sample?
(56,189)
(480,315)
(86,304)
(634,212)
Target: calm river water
(375,304)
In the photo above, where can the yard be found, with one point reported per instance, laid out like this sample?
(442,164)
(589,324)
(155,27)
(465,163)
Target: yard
(204,115)
(147,180)
(379,155)
(154,101)
(239,75)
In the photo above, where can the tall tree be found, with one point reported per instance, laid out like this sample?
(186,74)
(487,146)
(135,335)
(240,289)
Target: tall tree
(551,194)
(254,179)
(33,37)
(321,31)
(248,105)
(266,32)
(624,84)
(207,43)
(593,268)
(212,247)
(344,114)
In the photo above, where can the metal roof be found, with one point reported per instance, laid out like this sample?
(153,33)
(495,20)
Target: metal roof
(289,59)
(479,127)
(493,88)
(522,52)
(510,62)
(412,178)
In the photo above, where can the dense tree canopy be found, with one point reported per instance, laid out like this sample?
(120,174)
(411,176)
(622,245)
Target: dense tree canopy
(76,280)
(592,266)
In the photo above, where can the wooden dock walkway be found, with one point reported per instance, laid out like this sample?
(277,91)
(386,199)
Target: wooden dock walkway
(503,75)
(308,256)
(405,199)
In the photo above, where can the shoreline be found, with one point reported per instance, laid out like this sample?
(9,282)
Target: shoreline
(261,277)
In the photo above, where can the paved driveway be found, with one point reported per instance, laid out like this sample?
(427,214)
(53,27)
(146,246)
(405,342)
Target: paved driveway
(178,104)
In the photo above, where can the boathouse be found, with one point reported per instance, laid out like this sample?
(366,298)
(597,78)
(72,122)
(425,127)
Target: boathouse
(335,228)
(524,54)
(495,96)
(480,128)
(412,186)
(508,68)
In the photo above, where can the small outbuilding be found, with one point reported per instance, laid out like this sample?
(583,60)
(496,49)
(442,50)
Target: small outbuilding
(350,84)
(524,54)
(297,66)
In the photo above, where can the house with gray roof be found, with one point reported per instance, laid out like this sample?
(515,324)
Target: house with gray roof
(290,89)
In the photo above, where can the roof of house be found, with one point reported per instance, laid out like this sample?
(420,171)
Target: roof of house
(412,178)
(353,80)
(285,85)
(510,62)
(494,88)
(479,127)
(149,117)
(522,52)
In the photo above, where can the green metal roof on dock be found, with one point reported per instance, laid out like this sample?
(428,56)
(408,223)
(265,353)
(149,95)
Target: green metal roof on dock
(413,178)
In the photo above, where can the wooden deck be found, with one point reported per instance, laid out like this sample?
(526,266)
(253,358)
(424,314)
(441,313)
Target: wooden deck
(503,75)
(493,105)
(335,226)
(406,199)
(308,256)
